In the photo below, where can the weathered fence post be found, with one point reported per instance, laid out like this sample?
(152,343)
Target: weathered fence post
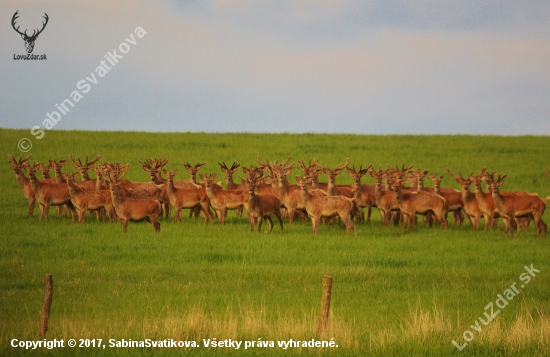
(325,304)
(45,313)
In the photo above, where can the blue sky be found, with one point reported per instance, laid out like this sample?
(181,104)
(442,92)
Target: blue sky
(365,67)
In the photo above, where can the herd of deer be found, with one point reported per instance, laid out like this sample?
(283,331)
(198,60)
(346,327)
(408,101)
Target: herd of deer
(399,195)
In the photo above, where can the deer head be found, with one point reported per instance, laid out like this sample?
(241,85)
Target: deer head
(29,40)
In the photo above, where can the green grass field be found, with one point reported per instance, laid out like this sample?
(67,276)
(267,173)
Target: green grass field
(392,294)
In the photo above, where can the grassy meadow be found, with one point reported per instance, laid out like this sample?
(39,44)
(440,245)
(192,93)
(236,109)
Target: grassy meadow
(392,294)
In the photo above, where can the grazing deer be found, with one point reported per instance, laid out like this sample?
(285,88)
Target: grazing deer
(23,181)
(133,209)
(364,194)
(223,200)
(259,207)
(420,202)
(187,197)
(326,207)
(49,194)
(515,206)
(469,200)
(85,200)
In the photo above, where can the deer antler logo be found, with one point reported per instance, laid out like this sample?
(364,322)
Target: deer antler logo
(29,40)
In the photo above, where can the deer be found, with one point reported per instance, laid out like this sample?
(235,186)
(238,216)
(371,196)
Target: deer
(319,207)
(259,207)
(85,200)
(23,181)
(29,40)
(290,194)
(132,209)
(514,206)
(364,194)
(386,201)
(83,168)
(187,198)
(469,200)
(420,202)
(137,189)
(223,200)
(453,198)
(229,183)
(313,171)
(48,194)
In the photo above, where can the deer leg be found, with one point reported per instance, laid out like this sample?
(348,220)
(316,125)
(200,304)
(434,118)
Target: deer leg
(260,221)
(125,225)
(280,219)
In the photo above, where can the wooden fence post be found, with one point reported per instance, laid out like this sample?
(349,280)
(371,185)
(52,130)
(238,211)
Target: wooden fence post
(325,304)
(45,313)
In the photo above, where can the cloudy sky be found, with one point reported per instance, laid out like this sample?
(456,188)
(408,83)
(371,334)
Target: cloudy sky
(357,66)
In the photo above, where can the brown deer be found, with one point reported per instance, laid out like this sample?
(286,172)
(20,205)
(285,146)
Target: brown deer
(230,184)
(223,200)
(420,202)
(83,168)
(453,198)
(326,207)
(133,209)
(259,207)
(290,194)
(386,201)
(364,194)
(469,200)
(49,194)
(187,197)
(85,200)
(138,189)
(23,181)
(514,206)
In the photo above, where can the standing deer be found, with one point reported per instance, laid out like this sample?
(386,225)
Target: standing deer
(386,200)
(133,209)
(364,194)
(187,198)
(85,200)
(469,200)
(259,207)
(513,206)
(453,198)
(49,194)
(23,181)
(326,207)
(223,200)
(420,202)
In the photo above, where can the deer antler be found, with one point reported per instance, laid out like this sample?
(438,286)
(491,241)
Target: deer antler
(15,17)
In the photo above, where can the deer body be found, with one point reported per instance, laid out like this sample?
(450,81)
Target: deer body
(223,200)
(134,209)
(85,200)
(514,206)
(421,202)
(259,207)
(186,198)
(49,194)
(326,207)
